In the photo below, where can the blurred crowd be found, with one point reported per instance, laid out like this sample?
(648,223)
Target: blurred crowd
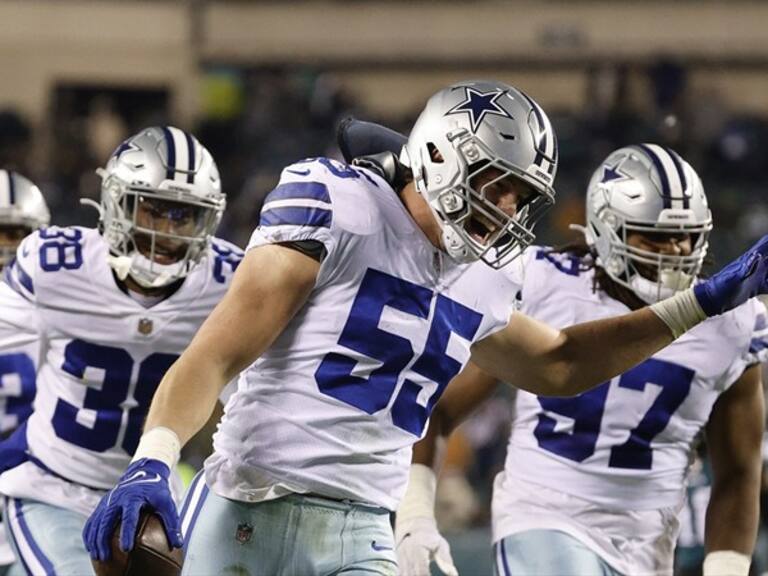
(256,122)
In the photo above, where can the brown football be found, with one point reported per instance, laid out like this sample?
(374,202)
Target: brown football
(151,553)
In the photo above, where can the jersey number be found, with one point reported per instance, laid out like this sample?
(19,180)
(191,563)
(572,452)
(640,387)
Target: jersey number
(586,412)
(110,407)
(61,249)
(225,259)
(18,398)
(363,336)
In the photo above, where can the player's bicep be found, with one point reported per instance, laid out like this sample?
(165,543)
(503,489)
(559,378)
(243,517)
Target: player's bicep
(517,353)
(735,427)
(269,287)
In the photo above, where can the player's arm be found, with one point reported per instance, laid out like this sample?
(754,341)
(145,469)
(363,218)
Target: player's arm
(565,362)
(463,395)
(269,286)
(734,438)
(416,535)
(550,362)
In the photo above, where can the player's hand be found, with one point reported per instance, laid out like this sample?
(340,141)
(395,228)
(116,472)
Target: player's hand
(417,543)
(143,485)
(737,282)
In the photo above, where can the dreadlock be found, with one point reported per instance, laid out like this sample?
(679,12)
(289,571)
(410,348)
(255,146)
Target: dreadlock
(601,281)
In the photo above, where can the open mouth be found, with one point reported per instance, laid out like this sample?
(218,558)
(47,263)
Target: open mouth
(480,228)
(163,254)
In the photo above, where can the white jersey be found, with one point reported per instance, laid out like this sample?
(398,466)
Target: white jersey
(19,352)
(103,355)
(333,407)
(615,458)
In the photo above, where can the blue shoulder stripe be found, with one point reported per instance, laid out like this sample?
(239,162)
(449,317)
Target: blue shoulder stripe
(24,278)
(300,190)
(10,278)
(296,216)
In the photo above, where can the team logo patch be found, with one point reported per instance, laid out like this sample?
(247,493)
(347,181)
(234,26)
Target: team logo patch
(244,533)
(145,326)
(479,104)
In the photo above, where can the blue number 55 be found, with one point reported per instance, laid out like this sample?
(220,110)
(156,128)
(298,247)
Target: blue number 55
(361,334)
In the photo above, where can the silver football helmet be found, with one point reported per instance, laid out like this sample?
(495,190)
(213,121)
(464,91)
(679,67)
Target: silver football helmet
(480,127)
(22,210)
(651,190)
(161,202)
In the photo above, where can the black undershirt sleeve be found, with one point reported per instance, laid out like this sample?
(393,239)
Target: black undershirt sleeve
(312,248)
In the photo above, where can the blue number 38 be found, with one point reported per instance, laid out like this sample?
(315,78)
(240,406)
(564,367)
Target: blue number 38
(361,334)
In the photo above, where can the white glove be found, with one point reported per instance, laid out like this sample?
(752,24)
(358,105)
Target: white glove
(417,541)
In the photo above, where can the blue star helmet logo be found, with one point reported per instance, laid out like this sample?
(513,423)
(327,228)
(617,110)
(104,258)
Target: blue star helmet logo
(478,104)
(611,173)
(125,146)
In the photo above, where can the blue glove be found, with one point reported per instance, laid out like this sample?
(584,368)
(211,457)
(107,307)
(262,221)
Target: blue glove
(739,281)
(143,485)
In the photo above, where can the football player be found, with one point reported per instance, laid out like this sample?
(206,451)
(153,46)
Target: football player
(354,307)
(22,210)
(112,308)
(593,484)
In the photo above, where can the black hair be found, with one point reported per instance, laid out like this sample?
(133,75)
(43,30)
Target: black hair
(601,281)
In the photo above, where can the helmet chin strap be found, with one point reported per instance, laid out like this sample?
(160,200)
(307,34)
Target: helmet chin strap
(120,264)
(123,265)
(650,292)
(455,246)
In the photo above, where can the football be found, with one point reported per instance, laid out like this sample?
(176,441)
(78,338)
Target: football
(151,553)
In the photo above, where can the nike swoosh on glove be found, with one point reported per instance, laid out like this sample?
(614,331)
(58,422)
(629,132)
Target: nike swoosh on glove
(418,543)
(143,485)
(737,282)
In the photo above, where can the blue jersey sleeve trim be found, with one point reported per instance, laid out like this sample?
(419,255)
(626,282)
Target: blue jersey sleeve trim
(14,271)
(296,216)
(757,345)
(24,278)
(300,190)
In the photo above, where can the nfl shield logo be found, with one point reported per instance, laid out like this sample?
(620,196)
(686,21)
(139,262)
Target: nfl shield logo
(244,532)
(145,326)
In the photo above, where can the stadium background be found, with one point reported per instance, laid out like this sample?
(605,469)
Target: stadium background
(264,83)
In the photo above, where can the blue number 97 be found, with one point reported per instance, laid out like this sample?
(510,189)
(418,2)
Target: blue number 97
(586,412)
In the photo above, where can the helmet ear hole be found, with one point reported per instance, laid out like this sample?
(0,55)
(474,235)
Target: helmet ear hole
(434,153)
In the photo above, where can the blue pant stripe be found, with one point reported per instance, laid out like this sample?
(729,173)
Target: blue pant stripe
(196,508)
(190,495)
(503,553)
(12,536)
(26,535)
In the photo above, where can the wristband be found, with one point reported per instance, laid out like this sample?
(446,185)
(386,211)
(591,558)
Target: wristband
(726,563)
(680,312)
(419,499)
(159,443)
